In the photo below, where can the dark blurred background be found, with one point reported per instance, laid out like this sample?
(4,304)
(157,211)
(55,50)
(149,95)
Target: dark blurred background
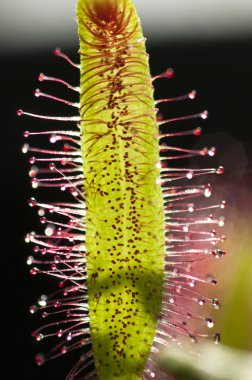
(212,56)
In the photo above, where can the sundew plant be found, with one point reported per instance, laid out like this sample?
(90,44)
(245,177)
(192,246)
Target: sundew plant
(124,243)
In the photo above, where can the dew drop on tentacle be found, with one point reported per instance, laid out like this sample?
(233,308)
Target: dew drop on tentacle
(42,301)
(201,301)
(33,309)
(30,260)
(215,303)
(25,148)
(33,171)
(32,160)
(34,271)
(209,323)
(49,230)
(217,338)
(19,112)
(32,202)
(40,360)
